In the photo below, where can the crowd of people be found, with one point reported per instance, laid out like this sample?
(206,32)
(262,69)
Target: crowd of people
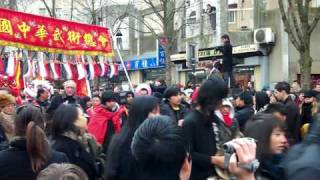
(158,132)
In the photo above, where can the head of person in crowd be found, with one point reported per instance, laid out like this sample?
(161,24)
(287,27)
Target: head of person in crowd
(96,101)
(68,119)
(317,87)
(129,97)
(144,92)
(62,172)
(261,100)
(142,107)
(109,100)
(70,87)
(209,68)
(7,104)
(245,98)
(29,124)
(271,136)
(211,93)
(117,89)
(279,110)
(159,148)
(96,92)
(7,116)
(225,39)
(282,91)
(172,96)
(43,94)
(295,87)
(160,82)
(85,102)
(226,112)
(272,143)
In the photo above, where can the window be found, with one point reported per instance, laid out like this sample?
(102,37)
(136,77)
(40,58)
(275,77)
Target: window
(192,18)
(232,13)
(119,40)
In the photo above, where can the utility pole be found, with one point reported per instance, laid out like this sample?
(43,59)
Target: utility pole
(222,20)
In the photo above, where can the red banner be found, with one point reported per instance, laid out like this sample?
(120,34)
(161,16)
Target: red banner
(39,33)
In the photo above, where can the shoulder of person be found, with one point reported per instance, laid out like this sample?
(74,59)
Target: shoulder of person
(58,157)
(193,117)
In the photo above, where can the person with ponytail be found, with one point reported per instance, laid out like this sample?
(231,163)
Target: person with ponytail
(29,150)
(68,136)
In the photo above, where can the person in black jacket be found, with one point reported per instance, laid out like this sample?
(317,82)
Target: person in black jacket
(227,62)
(159,86)
(201,131)
(282,91)
(29,150)
(121,165)
(244,108)
(66,131)
(172,106)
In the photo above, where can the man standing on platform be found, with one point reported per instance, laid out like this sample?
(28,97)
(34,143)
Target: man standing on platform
(227,61)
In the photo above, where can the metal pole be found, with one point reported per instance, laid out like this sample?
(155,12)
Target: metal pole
(124,67)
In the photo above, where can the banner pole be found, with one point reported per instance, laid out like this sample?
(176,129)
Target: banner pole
(123,65)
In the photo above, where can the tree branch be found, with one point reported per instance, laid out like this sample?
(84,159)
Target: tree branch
(287,25)
(47,7)
(154,9)
(296,26)
(315,21)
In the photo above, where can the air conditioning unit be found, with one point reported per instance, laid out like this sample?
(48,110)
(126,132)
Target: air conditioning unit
(264,36)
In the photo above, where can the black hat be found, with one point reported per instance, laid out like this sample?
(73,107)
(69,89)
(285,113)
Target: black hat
(171,91)
(310,93)
(108,96)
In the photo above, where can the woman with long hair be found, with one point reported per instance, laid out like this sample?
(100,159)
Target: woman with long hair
(68,128)
(201,129)
(120,162)
(271,144)
(29,150)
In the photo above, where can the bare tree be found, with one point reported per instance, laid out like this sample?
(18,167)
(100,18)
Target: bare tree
(91,7)
(165,10)
(300,20)
(51,11)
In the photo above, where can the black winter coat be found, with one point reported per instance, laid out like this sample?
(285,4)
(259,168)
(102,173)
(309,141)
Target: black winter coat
(293,121)
(76,154)
(243,115)
(166,109)
(227,62)
(201,139)
(15,163)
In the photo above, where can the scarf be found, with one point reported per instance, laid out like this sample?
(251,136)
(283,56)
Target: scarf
(227,120)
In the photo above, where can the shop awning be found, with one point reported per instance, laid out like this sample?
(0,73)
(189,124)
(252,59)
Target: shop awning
(242,51)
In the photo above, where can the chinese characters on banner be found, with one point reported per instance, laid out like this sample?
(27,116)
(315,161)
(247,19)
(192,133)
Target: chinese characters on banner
(52,35)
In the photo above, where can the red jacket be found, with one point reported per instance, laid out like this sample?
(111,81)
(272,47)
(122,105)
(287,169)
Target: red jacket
(99,117)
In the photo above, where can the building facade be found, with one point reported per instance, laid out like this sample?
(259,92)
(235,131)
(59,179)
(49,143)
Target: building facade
(262,63)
